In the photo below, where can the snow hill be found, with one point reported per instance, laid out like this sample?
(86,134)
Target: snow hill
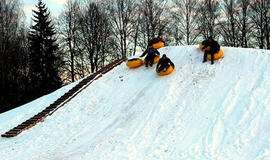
(199,112)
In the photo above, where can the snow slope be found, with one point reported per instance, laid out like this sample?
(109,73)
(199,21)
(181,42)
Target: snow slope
(199,112)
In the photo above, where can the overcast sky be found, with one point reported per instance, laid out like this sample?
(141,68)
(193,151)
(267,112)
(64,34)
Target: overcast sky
(54,6)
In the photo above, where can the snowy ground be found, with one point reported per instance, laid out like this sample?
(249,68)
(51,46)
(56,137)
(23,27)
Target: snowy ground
(199,112)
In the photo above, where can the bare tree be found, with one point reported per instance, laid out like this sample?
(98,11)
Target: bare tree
(209,13)
(244,22)
(95,33)
(260,18)
(13,55)
(68,29)
(135,25)
(122,13)
(154,20)
(228,24)
(186,21)
(267,24)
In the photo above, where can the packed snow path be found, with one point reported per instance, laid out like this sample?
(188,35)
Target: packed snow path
(200,112)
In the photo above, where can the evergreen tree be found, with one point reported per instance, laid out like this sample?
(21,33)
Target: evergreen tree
(43,57)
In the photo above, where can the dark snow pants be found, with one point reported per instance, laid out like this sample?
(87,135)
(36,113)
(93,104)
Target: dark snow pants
(163,67)
(212,55)
(149,59)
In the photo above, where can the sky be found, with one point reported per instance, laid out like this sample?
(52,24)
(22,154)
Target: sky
(54,6)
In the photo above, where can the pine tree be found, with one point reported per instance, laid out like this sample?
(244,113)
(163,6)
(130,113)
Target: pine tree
(43,58)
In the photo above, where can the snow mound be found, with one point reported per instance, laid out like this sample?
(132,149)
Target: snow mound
(200,111)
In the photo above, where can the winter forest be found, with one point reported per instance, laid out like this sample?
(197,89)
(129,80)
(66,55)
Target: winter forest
(39,58)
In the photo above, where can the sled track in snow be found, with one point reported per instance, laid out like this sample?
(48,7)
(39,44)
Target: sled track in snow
(60,101)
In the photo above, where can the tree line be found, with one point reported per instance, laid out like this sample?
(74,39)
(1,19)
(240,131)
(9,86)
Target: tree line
(89,34)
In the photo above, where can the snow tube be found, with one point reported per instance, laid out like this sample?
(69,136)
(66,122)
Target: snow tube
(206,49)
(134,62)
(158,45)
(155,60)
(217,55)
(169,71)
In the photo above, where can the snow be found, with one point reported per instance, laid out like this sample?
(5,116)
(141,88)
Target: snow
(199,112)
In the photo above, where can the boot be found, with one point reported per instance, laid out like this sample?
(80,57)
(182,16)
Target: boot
(204,57)
(212,59)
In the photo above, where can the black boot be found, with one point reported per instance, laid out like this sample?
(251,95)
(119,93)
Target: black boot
(146,62)
(152,61)
(212,59)
(204,57)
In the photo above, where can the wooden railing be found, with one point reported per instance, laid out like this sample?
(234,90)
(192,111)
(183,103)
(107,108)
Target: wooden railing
(60,102)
